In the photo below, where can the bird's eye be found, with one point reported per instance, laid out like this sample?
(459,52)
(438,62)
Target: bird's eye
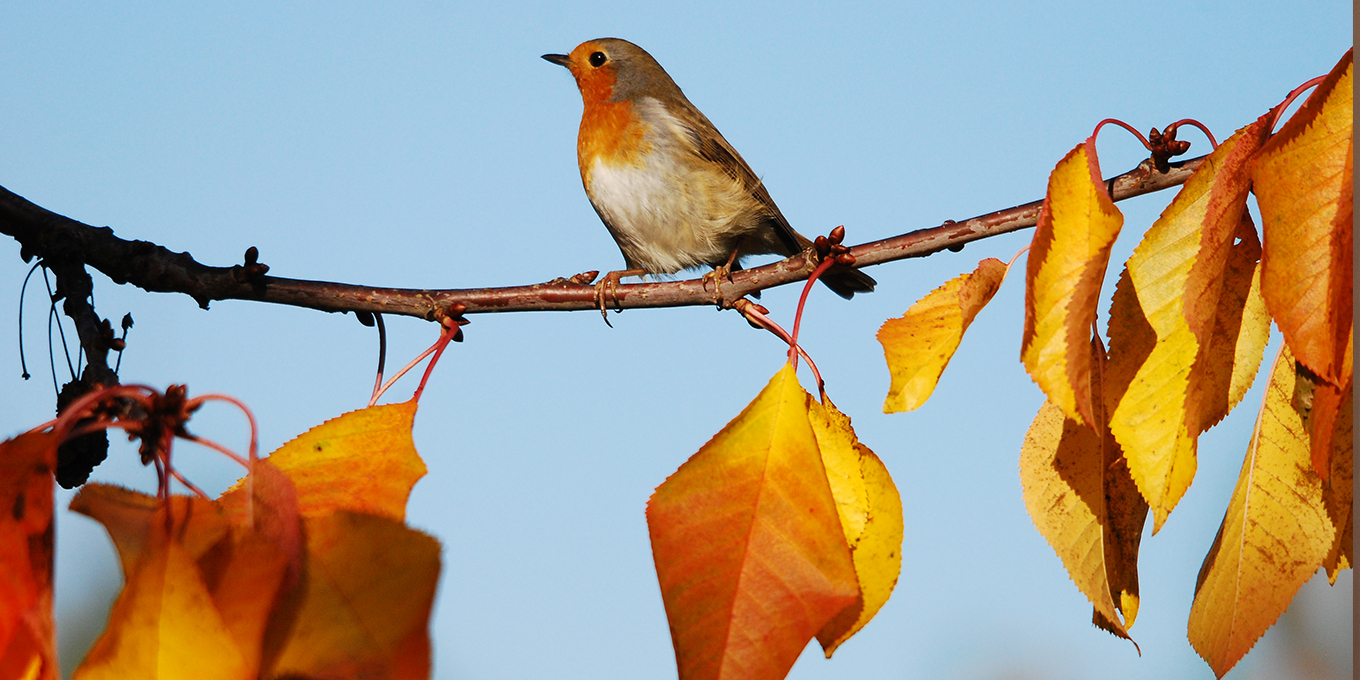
(598,59)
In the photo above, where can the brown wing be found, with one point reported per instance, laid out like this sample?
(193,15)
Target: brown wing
(843,281)
(712,146)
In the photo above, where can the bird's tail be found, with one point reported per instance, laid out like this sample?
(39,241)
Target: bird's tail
(846,281)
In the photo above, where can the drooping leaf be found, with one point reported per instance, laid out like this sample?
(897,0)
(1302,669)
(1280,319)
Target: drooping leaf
(362,607)
(28,636)
(1180,272)
(1303,183)
(1338,490)
(920,343)
(133,519)
(1071,249)
(226,578)
(749,548)
(1079,494)
(870,511)
(1274,536)
(164,624)
(363,461)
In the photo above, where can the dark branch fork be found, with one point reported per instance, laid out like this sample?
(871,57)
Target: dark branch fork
(64,242)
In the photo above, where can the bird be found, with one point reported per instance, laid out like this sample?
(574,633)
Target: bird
(668,186)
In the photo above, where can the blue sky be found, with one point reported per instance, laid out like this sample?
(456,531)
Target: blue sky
(429,146)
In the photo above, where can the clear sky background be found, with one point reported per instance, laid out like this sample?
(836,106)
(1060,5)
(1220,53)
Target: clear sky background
(429,146)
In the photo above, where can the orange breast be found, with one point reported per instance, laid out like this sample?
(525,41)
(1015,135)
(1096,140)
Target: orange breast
(612,133)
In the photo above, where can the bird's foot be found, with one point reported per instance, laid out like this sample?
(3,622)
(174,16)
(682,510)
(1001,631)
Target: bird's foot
(608,287)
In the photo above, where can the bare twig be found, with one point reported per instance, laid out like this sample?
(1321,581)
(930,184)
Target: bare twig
(154,268)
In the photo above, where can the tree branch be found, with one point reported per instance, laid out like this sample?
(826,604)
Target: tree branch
(47,235)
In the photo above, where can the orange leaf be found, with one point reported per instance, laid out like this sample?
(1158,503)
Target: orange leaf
(920,344)
(1275,534)
(28,640)
(1193,285)
(133,519)
(748,545)
(870,511)
(226,576)
(1079,493)
(1303,183)
(164,624)
(363,461)
(1077,226)
(364,603)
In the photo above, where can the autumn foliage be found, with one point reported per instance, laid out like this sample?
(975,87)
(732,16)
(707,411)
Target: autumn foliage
(784,527)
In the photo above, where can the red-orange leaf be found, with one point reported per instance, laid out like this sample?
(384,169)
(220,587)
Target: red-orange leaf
(1077,226)
(920,344)
(1338,491)
(1303,183)
(28,640)
(749,549)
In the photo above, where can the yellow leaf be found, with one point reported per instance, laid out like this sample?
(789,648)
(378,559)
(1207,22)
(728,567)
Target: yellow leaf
(1303,184)
(1180,272)
(1275,534)
(363,461)
(920,344)
(870,511)
(1077,226)
(1080,496)
(749,549)
(164,625)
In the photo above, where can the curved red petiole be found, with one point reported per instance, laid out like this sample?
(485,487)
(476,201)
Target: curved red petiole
(753,314)
(1294,94)
(1126,126)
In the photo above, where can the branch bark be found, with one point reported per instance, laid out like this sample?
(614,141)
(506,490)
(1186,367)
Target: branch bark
(53,237)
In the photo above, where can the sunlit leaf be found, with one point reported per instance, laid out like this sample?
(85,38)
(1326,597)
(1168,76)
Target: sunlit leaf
(920,344)
(870,511)
(164,624)
(1079,494)
(28,641)
(1077,226)
(133,519)
(1192,284)
(362,607)
(1303,183)
(1274,536)
(748,544)
(363,461)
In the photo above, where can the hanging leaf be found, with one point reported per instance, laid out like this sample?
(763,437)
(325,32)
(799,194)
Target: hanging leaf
(1079,493)
(363,605)
(363,461)
(1303,183)
(1274,536)
(870,511)
(1071,249)
(28,635)
(1193,285)
(920,344)
(749,548)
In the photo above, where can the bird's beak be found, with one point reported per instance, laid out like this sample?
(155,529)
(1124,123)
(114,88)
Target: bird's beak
(559,59)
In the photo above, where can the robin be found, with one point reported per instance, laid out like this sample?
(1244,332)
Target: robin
(672,192)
